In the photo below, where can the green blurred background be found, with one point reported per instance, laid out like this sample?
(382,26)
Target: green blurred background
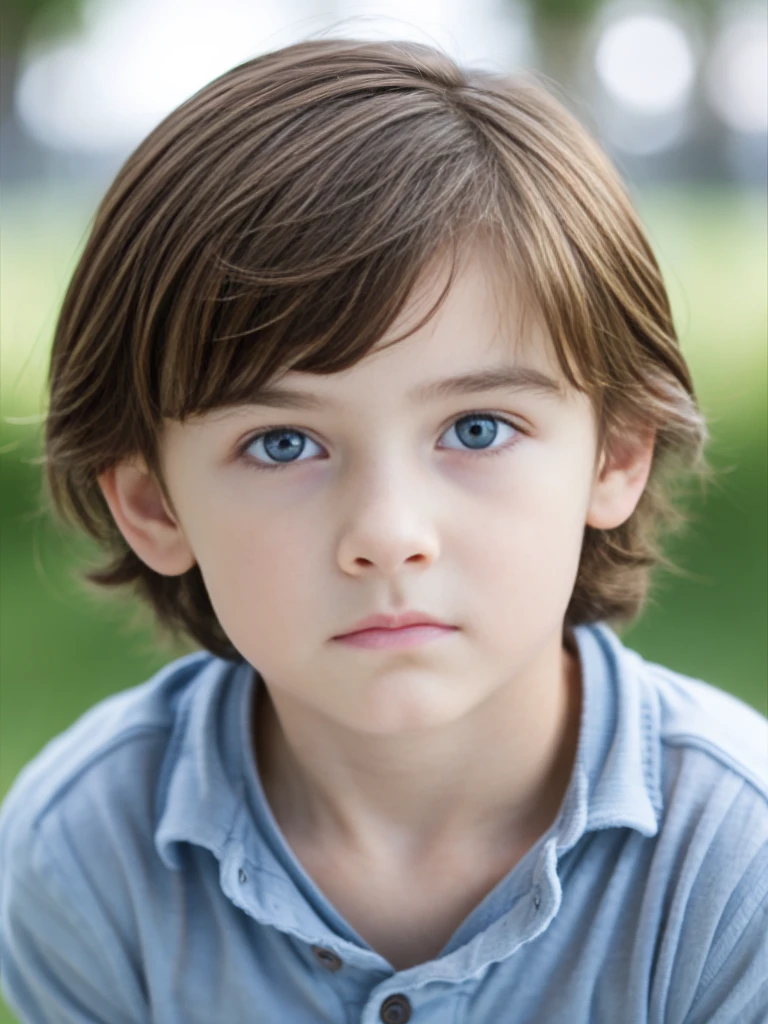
(62,648)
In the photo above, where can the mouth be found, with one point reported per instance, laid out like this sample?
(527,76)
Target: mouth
(395,622)
(397,639)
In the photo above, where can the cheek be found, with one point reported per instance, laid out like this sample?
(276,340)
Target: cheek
(252,569)
(524,553)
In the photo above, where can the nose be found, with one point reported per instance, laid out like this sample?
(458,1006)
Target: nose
(387,525)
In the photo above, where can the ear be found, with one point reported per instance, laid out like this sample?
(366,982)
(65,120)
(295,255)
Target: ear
(620,481)
(139,508)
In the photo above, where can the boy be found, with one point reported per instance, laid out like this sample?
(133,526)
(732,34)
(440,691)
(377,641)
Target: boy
(367,380)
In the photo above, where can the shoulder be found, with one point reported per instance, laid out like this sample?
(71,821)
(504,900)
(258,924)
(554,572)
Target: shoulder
(76,835)
(708,867)
(713,839)
(699,757)
(709,724)
(109,758)
(711,750)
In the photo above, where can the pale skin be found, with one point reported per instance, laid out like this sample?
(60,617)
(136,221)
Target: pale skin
(407,782)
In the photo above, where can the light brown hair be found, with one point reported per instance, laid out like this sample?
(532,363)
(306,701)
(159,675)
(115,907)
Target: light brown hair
(279,219)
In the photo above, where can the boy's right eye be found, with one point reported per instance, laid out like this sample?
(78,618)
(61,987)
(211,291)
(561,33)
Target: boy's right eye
(277,443)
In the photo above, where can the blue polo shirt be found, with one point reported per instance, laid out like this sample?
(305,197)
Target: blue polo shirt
(143,876)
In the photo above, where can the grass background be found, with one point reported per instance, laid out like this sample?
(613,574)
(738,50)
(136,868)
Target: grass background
(62,649)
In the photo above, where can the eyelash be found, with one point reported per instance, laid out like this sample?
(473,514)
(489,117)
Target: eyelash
(243,448)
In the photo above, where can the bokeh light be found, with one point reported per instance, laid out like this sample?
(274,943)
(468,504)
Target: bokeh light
(646,61)
(737,82)
(104,89)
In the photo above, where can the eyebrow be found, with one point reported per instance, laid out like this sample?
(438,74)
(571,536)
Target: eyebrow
(514,378)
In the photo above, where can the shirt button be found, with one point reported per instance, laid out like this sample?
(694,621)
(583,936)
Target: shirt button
(395,1010)
(327,958)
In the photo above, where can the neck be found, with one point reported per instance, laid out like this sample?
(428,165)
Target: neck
(497,775)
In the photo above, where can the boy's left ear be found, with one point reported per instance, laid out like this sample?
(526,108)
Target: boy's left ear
(619,482)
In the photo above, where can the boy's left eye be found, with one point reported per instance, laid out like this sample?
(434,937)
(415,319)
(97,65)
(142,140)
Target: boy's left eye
(286,444)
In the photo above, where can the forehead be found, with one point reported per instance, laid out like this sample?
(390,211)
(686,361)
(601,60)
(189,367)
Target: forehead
(484,335)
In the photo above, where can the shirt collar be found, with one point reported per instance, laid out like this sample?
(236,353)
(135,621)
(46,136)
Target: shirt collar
(615,781)
(201,785)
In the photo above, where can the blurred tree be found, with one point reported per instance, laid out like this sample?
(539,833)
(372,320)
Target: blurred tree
(18,17)
(562,28)
(21,20)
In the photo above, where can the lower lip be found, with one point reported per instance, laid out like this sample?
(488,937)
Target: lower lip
(396,639)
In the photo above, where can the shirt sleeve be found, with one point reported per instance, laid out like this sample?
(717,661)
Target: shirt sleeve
(734,982)
(60,961)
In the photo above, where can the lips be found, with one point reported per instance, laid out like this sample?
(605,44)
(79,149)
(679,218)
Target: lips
(395,622)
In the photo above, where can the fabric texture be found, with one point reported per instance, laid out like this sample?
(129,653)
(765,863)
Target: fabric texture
(143,877)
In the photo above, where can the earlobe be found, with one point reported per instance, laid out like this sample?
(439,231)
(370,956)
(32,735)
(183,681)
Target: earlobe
(619,484)
(139,509)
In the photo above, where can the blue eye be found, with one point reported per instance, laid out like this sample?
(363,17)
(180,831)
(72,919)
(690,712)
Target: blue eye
(478,431)
(285,445)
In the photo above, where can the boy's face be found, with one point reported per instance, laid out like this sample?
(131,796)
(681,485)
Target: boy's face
(391,504)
